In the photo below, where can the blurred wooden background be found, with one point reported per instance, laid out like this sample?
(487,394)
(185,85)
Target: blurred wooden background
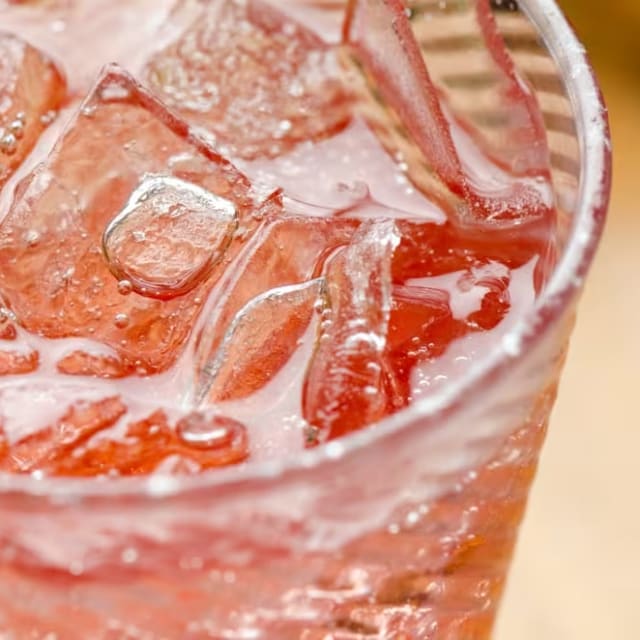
(577,570)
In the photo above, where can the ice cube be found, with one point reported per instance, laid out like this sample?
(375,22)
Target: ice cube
(347,385)
(196,443)
(261,339)
(257,81)
(92,437)
(125,172)
(350,173)
(383,41)
(83,363)
(44,450)
(13,363)
(287,251)
(168,236)
(521,140)
(31,86)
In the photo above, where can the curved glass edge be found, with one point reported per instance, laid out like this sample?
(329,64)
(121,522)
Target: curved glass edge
(564,286)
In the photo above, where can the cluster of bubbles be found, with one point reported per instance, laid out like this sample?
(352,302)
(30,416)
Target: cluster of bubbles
(11,134)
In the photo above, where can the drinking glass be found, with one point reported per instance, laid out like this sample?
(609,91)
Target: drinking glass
(401,531)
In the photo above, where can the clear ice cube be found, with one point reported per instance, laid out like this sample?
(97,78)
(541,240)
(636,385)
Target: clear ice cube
(168,236)
(348,384)
(261,339)
(253,78)
(127,173)
(285,252)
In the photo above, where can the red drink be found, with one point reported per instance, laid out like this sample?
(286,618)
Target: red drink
(274,233)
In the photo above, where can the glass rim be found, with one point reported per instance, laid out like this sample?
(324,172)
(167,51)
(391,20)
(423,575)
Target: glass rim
(564,284)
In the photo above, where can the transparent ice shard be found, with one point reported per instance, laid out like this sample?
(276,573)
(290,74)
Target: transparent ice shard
(348,384)
(251,77)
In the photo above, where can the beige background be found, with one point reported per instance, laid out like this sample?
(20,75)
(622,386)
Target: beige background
(577,570)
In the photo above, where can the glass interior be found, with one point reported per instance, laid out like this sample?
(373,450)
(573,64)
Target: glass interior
(404,530)
(546,52)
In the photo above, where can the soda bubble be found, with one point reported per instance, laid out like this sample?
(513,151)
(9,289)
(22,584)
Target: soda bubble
(121,320)
(17,129)
(8,144)
(125,287)
(32,238)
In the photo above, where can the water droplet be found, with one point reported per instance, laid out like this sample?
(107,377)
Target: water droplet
(209,432)
(168,237)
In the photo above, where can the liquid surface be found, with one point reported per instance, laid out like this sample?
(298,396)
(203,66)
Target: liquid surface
(248,237)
